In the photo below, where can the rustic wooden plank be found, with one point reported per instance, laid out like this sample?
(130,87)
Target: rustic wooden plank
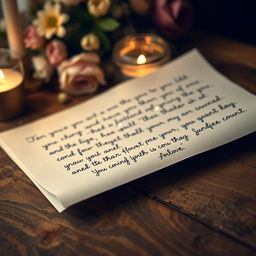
(118,222)
(216,188)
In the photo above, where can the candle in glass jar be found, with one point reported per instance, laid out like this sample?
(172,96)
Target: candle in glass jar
(12,96)
(9,79)
(141,59)
(140,54)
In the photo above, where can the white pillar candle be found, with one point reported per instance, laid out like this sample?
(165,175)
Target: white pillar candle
(13,26)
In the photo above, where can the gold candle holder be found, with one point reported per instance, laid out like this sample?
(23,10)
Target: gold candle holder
(12,96)
(140,54)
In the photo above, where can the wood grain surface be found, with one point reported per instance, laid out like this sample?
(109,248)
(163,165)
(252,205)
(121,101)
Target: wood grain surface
(205,205)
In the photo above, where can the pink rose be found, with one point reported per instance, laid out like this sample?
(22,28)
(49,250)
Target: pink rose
(56,52)
(31,39)
(81,74)
(173,17)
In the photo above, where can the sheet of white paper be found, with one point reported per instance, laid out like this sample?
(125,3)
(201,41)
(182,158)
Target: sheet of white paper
(133,129)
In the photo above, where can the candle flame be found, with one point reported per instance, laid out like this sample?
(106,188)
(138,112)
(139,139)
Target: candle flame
(1,74)
(141,59)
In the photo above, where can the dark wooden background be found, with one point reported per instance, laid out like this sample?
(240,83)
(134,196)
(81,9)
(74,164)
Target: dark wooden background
(205,205)
(234,19)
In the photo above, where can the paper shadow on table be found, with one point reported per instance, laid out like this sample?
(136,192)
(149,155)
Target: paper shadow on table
(203,163)
(160,182)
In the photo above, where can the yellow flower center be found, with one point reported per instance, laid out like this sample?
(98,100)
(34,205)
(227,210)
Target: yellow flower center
(52,21)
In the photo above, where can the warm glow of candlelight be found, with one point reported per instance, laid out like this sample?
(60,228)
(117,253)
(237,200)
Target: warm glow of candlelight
(9,79)
(11,84)
(141,59)
(1,74)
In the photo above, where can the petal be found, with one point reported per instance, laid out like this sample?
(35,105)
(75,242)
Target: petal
(175,8)
(61,31)
(49,33)
(94,71)
(40,31)
(90,57)
(63,18)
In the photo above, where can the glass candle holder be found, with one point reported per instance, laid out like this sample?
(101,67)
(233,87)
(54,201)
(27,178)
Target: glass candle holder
(11,85)
(140,54)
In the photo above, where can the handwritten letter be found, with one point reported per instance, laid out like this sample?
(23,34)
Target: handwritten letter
(133,129)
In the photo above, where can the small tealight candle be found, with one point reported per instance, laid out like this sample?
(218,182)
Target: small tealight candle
(140,54)
(11,85)
(141,59)
(9,79)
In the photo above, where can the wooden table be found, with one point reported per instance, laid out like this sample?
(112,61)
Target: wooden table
(205,205)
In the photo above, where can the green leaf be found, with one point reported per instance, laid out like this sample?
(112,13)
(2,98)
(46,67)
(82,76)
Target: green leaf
(108,24)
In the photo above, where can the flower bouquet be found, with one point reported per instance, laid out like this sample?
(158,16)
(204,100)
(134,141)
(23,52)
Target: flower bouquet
(70,37)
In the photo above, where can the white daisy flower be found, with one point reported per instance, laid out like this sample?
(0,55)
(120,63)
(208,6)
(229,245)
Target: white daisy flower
(50,21)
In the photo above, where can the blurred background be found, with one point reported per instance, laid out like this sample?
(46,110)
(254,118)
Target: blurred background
(235,19)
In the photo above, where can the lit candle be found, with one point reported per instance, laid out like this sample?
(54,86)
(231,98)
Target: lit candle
(11,85)
(13,26)
(140,54)
(9,79)
(141,59)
